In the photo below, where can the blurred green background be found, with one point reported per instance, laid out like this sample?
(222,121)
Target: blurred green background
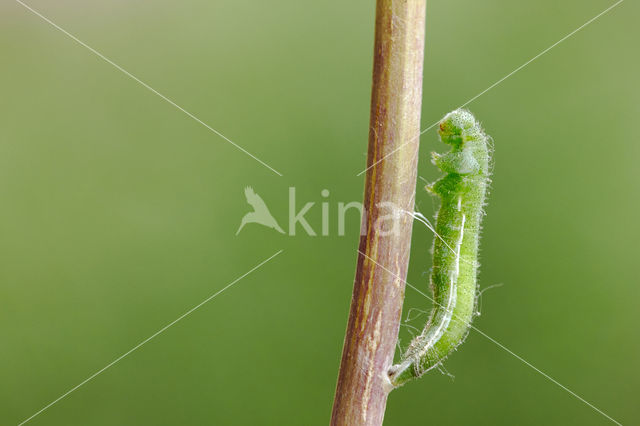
(119,213)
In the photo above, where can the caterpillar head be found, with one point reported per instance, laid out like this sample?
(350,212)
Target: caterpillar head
(469,154)
(455,125)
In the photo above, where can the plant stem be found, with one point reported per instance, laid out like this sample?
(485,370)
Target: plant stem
(378,291)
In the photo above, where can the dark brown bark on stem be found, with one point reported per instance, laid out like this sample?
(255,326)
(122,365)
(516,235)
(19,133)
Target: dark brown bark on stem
(383,257)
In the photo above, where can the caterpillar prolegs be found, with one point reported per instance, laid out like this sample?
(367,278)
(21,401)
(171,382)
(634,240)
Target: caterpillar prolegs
(455,249)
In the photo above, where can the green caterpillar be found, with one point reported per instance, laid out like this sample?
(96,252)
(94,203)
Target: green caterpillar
(453,277)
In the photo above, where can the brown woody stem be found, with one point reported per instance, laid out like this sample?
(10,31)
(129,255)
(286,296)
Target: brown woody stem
(383,257)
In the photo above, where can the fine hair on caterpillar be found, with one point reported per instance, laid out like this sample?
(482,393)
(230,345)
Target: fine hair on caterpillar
(462,192)
(422,219)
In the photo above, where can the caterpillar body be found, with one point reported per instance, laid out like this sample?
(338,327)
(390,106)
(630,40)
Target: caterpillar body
(453,278)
